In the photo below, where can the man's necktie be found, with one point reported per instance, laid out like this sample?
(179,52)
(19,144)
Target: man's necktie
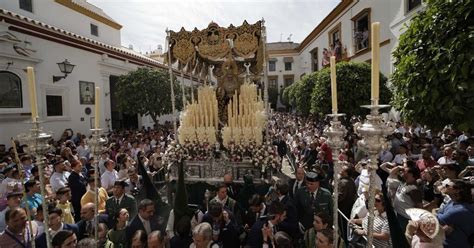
(89,228)
(312,198)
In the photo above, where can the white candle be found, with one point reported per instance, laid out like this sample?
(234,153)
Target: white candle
(333,85)
(32,91)
(97,109)
(375,62)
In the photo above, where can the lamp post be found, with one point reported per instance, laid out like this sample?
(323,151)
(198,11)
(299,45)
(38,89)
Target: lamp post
(66,68)
(335,133)
(373,130)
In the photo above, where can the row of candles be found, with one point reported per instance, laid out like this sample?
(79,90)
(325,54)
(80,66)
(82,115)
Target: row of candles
(203,113)
(375,43)
(243,107)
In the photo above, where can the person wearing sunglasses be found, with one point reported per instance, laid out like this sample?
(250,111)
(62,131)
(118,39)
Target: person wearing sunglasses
(381,229)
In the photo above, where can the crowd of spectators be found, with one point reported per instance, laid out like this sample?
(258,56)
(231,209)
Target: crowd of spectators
(418,169)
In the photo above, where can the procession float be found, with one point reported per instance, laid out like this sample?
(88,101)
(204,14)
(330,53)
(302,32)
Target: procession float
(223,129)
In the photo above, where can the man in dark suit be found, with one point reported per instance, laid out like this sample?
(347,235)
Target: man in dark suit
(276,215)
(346,197)
(144,219)
(232,188)
(312,199)
(87,224)
(120,200)
(311,156)
(56,225)
(257,209)
(282,148)
(77,183)
(298,182)
(227,201)
(290,224)
(225,229)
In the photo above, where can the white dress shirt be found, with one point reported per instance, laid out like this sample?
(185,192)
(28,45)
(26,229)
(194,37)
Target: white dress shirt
(146,224)
(57,181)
(108,179)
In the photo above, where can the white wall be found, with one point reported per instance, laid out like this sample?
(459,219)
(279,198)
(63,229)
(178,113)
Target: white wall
(392,16)
(381,12)
(55,14)
(90,67)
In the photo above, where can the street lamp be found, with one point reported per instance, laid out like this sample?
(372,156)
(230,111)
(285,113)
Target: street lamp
(66,68)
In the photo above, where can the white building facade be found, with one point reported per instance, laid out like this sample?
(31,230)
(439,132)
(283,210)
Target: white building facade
(43,33)
(347,26)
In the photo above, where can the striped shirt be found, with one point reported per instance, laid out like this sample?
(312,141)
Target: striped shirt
(380,226)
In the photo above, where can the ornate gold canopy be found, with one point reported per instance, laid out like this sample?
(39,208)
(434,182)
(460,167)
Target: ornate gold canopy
(231,53)
(224,48)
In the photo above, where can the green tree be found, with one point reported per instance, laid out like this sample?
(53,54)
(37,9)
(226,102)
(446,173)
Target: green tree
(302,93)
(353,89)
(288,95)
(284,99)
(147,92)
(433,80)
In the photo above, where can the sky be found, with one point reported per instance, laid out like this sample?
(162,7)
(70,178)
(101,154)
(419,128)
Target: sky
(145,21)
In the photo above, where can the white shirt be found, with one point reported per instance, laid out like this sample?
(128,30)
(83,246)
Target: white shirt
(57,181)
(262,212)
(399,158)
(359,207)
(40,225)
(102,168)
(53,232)
(364,179)
(146,224)
(83,151)
(119,199)
(445,160)
(385,156)
(108,179)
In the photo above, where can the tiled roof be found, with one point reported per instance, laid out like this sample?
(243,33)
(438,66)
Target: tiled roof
(120,49)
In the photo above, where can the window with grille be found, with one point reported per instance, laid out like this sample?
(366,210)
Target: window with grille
(10,90)
(94,30)
(361,30)
(26,5)
(272,65)
(54,105)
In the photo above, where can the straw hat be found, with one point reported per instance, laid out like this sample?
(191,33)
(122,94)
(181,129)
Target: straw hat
(427,222)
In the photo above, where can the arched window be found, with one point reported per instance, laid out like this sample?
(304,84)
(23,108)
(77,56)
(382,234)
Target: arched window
(10,90)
